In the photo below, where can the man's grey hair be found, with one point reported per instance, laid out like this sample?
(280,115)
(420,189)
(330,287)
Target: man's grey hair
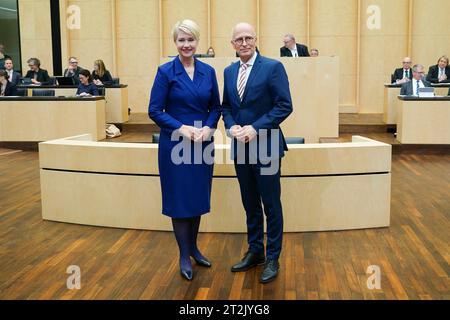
(290,36)
(417,66)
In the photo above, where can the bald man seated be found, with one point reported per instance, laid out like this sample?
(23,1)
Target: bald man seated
(404,74)
(293,49)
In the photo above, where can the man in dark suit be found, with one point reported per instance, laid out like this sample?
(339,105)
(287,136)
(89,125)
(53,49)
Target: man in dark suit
(73,70)
(439,73)
(14,77)
(410,88)
(404,74)
(36,74)
(293,49)
(256,100)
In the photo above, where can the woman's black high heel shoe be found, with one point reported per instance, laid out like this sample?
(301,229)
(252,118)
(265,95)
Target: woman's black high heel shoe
(203,262)
(187,274)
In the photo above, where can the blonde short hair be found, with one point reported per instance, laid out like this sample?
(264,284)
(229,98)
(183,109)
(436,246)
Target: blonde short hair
(443,57)
(187,26)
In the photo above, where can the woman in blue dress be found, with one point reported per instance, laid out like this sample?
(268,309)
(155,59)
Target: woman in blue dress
(185,104)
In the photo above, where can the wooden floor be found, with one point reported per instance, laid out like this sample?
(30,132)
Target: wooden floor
(413,253)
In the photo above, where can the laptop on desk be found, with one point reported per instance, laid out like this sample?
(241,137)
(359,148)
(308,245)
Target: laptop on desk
(65,81)
(427,92)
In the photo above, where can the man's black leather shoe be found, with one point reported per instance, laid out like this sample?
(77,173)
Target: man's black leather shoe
(270,271)
(249,261)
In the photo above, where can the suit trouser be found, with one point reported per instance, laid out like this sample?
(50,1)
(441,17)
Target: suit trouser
(256,187)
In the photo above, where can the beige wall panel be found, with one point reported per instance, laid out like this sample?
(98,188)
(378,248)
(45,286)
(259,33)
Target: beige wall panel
(381,50)
(430,31)
(138,48)
(175,10)
(35,33)
(94,38)
(333,31)
(224,16)
(278,18)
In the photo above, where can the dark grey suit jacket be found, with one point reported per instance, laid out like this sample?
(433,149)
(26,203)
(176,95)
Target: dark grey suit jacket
(301,50)
(407,87)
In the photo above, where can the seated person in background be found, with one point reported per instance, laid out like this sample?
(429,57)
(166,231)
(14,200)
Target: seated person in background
(3,56)
(293,49)
(73,70)
(402,75)
(14,77)
(439,73)
(100,75)
(410,88)
(6,88)
(314,52)
(36,74)
(211,52)
(86,87)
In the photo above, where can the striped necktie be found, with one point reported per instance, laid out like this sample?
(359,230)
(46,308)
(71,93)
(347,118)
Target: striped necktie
(242,79)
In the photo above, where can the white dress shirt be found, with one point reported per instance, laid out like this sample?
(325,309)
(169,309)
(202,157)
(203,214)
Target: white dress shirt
(250,64)
(294,52)
(414,84)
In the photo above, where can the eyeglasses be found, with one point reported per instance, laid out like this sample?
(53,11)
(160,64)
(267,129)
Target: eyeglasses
(240,41)
(73,62)
(407,62)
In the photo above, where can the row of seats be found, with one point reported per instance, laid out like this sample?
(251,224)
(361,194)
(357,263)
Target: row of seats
(49,92)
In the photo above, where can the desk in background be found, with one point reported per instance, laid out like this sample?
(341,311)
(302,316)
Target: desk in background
(423,120)
(314,86)
(34,119)
(391,102)
(116,97)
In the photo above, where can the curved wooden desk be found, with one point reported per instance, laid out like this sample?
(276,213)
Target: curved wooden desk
(116,98)
(34,119)
(329,186)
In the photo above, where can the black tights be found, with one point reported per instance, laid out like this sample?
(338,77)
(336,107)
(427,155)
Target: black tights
(186,230)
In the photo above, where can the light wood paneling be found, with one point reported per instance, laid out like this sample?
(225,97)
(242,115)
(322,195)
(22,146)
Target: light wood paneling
(276,21)
(423,122)
(175,10)
(335,186)
(46,120)
(315,114)
(132,35)
(224,16)
(36,33)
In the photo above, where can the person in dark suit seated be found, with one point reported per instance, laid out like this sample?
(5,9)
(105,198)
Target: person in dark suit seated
(86,86)
(439,73)
(36,74)
(404,74)
(100,75)
(185,104)
(73,70)
(410,88)
(292,49)
(6,88)
(14,76)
